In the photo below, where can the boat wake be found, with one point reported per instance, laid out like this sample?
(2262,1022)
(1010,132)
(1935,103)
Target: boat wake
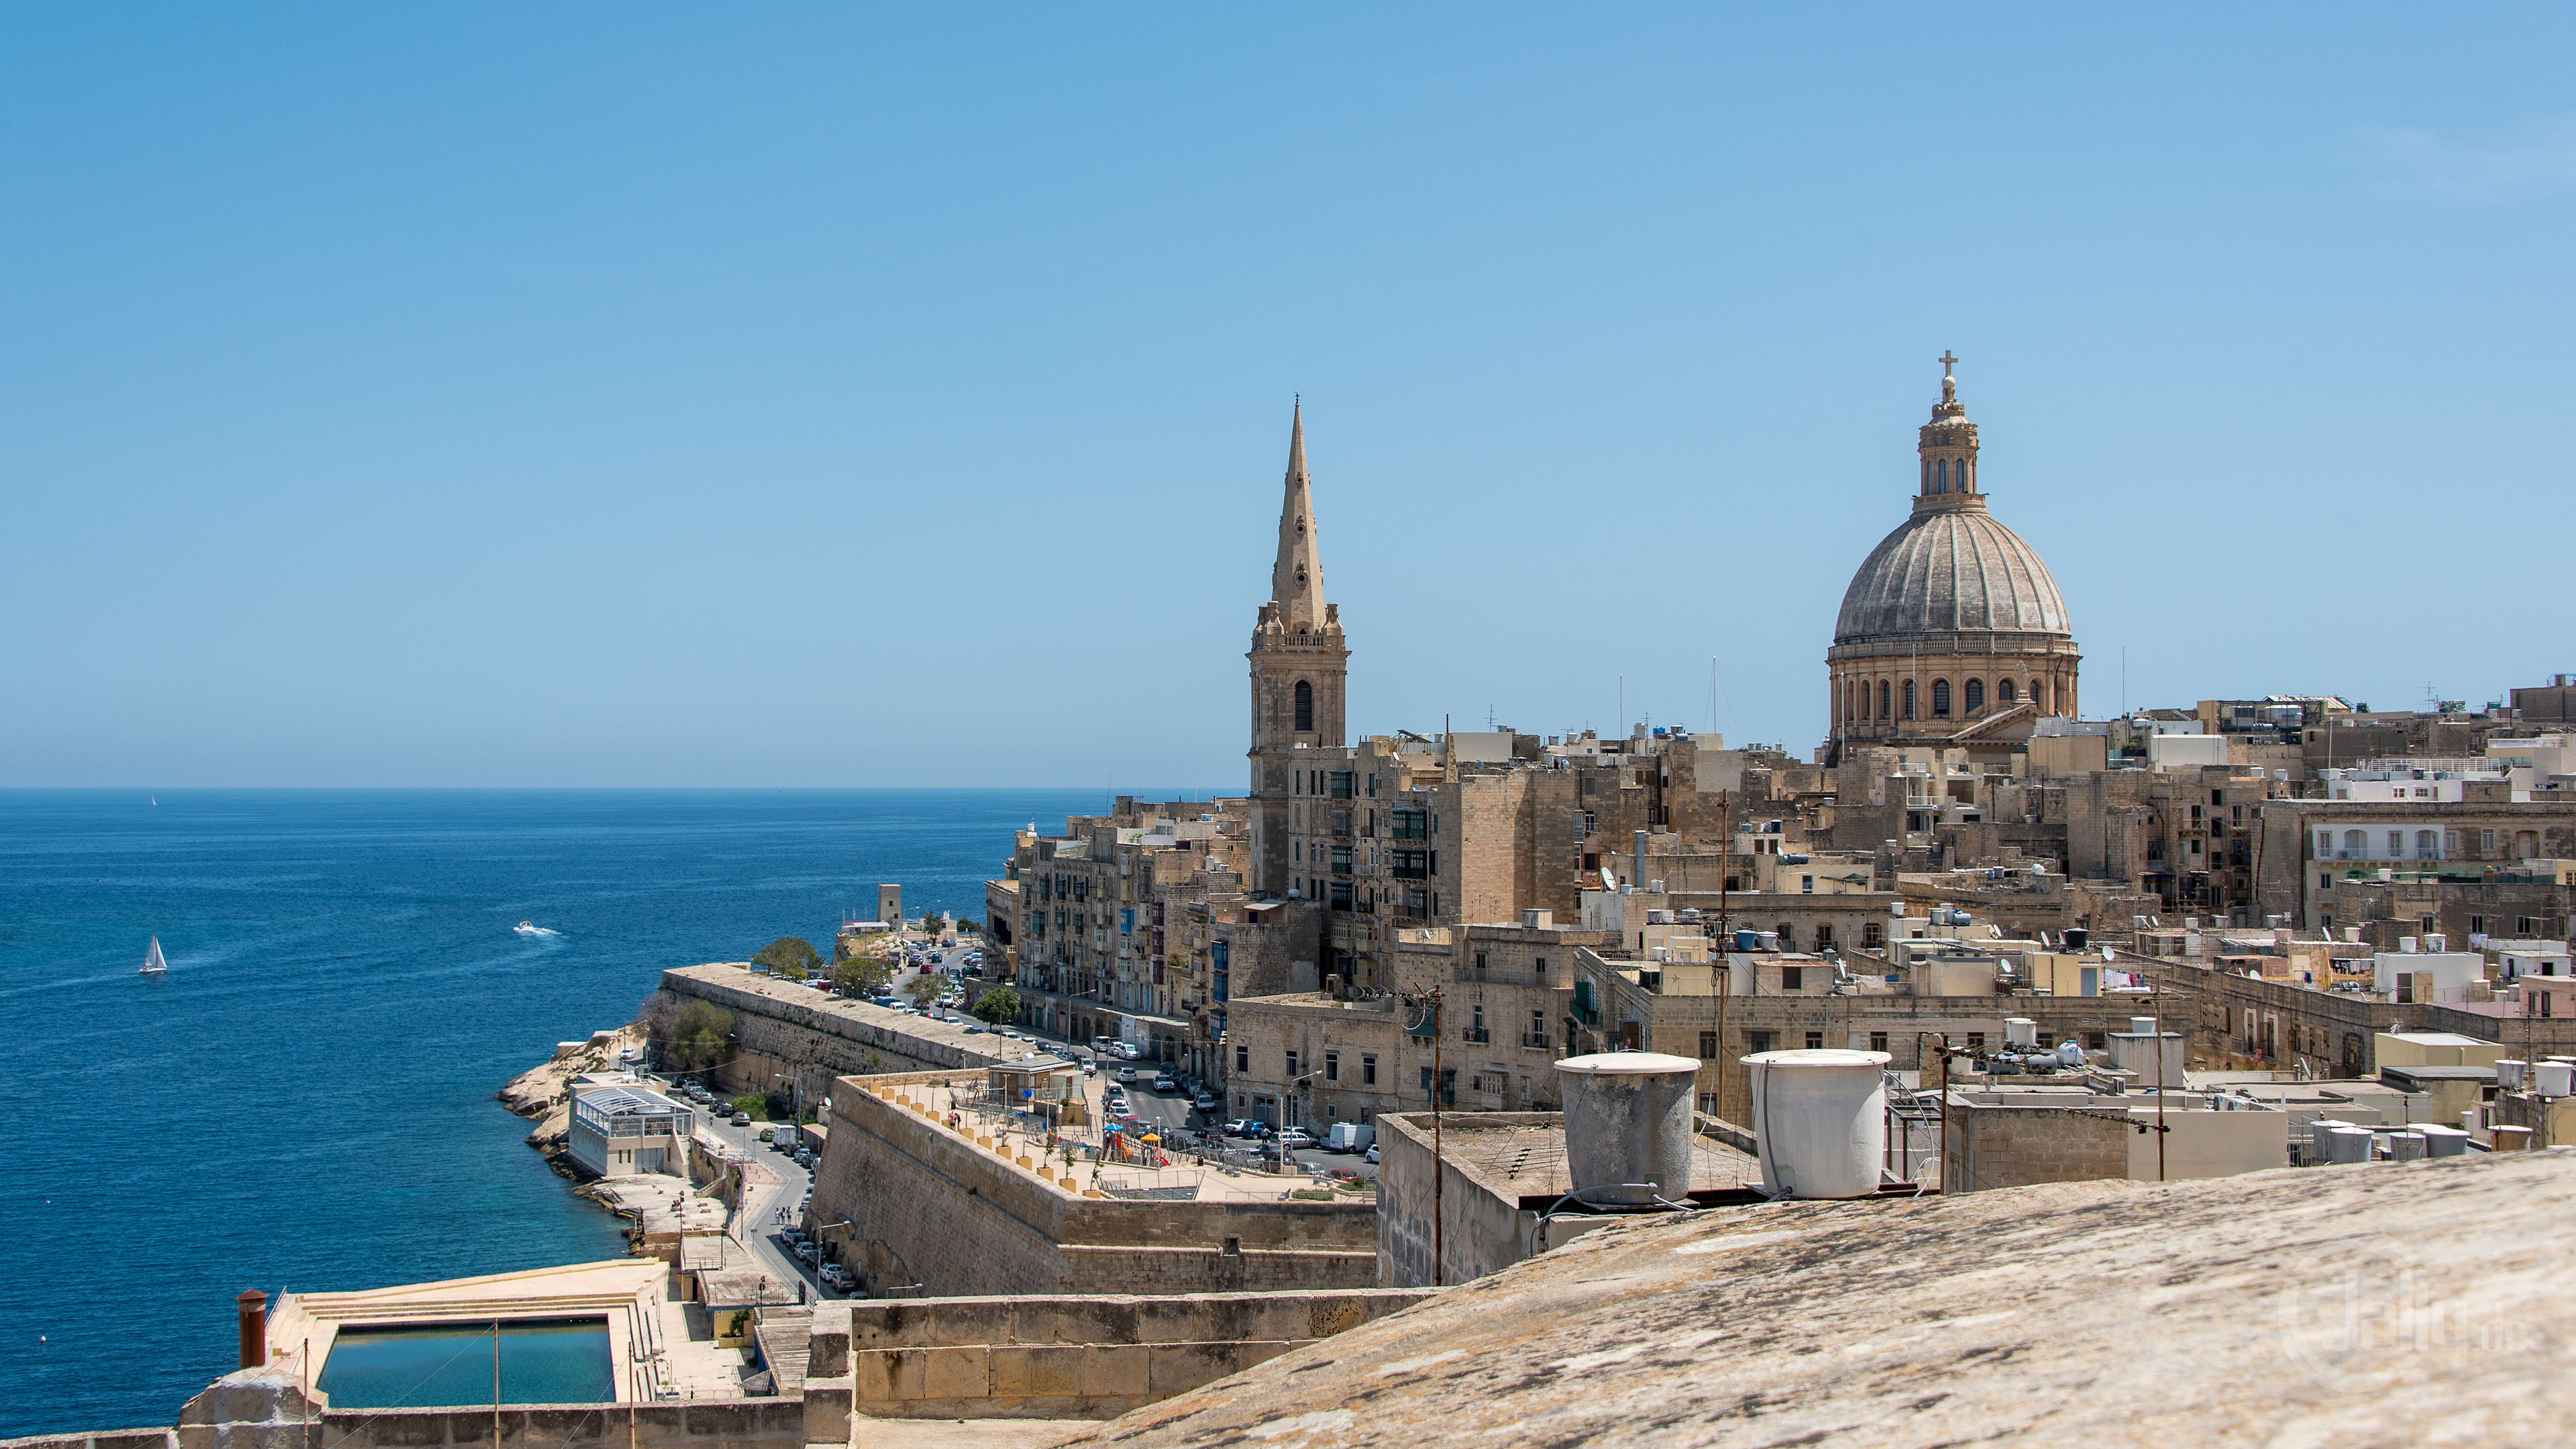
(527,928)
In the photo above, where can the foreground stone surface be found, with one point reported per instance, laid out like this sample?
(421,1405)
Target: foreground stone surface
(2391,1304)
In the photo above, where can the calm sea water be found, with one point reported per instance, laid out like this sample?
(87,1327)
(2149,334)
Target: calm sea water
(305,1101)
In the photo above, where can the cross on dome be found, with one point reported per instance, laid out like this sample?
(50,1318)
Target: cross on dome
(1949,384)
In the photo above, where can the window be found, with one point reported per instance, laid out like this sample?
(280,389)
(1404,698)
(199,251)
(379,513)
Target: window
(1882,699)
(1480,960)
(1341,860)
(2396,843)
(1588,823)
(1305,707)
(1976,1041)
(1872,935)
(2355,844)
(2325,882)
(1973,695)
(1538,1030)
(2486,840)
(1292,1065)
(2477,925)
(2450,842)
(1243,1059)
(2526,926)
(1815,1041)
(1759,1041)
(1793,978)
(1940,699)
(1368,1070)
(2003,691)
(2325,844)
(1708,1046)
(1878,1041)
(1410,864)
(2426,847)
(1332,1066)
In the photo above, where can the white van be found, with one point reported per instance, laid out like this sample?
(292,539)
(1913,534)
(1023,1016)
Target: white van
(1349,1137)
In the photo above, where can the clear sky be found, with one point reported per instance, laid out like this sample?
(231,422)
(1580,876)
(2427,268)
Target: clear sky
(672,395)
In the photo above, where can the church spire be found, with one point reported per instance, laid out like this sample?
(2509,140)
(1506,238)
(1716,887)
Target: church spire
(1297,579)
(1947,450)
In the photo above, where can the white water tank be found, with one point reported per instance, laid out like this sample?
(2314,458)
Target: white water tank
(2512,1075)
(1820,1117)
(2444,1141)
(2347,1144)
(2142,1026)
(2405,1146)
(2554,1079)
(2020,1031)
(1628,1125)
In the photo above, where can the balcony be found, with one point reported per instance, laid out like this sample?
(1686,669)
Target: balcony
(1474,1035)
(1536,1041)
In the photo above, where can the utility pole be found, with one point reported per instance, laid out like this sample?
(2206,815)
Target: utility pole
(1723,979)
(1431,1000)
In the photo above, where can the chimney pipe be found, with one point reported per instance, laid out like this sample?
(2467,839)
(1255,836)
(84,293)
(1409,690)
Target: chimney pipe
(253,1305)
(1640,875)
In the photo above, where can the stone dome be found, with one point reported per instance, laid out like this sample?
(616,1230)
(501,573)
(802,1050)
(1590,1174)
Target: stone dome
(1948,570)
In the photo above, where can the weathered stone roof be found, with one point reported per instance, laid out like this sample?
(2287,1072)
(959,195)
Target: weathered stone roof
(2398,1303)
(1950,569)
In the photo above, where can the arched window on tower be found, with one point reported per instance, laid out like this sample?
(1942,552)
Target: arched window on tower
(1940,699)
(1941,476)
(1972,696)
(1882,699)
(1305,707)
(2003,691)
(1909,699)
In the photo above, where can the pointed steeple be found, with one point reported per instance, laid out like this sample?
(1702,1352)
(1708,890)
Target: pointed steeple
(1297,579)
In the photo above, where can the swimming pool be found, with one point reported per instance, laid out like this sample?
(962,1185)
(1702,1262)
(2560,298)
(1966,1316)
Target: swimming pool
(543,1361)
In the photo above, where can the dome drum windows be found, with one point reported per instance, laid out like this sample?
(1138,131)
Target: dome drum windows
(1940,699)
(1909,699)
(2003,691)
(1972,696)
(1882,700)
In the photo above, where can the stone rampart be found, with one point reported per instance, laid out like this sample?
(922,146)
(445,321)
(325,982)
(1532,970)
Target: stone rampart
(783,1029)
(1079,1358)
(926,1205)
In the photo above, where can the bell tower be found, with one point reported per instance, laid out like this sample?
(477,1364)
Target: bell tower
(1299,665)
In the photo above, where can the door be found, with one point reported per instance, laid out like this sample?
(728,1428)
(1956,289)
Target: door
(648,1159)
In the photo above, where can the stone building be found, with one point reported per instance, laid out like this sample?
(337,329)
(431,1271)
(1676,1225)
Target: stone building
(1952,630)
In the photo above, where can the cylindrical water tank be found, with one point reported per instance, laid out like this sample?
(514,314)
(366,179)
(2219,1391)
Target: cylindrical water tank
(2347,1144)
(1628,1125)
(2554,1079)
(1821,1120)
(2405,1146)
(2070,1052)
(2142,1026)
(2513,1075)
(2444,1141)
(2020,1031)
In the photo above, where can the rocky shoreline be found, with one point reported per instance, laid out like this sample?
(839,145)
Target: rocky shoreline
(544,1092)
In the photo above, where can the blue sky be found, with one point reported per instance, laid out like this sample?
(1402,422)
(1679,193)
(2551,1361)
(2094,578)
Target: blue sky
(680,395)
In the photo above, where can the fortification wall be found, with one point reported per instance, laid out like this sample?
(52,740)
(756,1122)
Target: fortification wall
(1079,1358)
(818,1039)
(927,1205)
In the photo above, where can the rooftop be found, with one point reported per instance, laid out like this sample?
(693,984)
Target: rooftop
(2384,1304)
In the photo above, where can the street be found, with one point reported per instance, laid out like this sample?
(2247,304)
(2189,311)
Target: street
(757,1224)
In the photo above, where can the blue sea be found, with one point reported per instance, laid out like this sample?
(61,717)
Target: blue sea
(305,1101)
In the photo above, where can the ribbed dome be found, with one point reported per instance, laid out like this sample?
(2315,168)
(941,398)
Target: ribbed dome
(1950,569)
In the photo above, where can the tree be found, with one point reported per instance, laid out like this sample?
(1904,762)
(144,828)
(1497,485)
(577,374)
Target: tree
(790,956)
(752,1104)
(702,1035)
(923,989)
(862,976)
(998,1005)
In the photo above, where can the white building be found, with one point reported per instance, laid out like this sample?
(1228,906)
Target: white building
(618,1131)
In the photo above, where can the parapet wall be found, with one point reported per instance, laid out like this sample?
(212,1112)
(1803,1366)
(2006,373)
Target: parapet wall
(1080,1358)
(926,1205)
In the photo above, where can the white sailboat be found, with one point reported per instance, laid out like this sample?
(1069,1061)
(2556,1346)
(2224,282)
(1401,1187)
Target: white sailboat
(154,964)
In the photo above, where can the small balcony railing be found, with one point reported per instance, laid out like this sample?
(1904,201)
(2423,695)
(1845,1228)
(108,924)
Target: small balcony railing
(1475,1034)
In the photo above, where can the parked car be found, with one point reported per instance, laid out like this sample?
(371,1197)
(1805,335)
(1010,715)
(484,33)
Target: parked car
(1371,1154)
(767,1132)
(1090,1068)
(742,1119)
(1247,1127)
(1163,1082)
(1294,1139)
(806,1252)
(837,1278)
(1204,1101)
(1126,1074)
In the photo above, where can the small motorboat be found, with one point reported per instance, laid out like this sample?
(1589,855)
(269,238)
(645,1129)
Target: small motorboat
(154,963)
(531,928)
